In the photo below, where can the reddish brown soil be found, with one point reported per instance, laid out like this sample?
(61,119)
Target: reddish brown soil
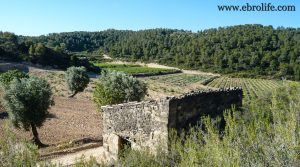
(71,119)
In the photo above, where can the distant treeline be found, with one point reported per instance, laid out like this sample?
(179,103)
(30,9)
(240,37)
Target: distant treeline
(249,50)
(16,48)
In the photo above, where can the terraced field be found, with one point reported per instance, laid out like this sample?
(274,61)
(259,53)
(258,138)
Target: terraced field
(174,84)
(181,79)
(252,88)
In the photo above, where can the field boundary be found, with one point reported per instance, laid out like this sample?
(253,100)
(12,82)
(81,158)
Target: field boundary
(209,80)
(142,75)
(56,154)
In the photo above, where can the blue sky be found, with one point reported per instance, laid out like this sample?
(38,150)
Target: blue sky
(37,17)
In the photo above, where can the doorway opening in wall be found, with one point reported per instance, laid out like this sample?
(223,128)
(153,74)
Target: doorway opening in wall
(124,144)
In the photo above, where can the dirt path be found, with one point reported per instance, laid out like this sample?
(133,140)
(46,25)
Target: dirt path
(199,72)
(107,57)
(155,65)
(70,159)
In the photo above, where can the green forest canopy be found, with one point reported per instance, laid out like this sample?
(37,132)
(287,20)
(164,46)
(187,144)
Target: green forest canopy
(247,49)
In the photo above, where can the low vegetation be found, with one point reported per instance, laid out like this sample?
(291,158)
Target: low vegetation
(118,87)
(77,79)
(16,153)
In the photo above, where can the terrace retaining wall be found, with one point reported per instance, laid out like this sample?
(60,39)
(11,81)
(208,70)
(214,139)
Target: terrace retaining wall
(142,75)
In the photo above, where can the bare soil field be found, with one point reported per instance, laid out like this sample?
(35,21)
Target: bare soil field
(71,119)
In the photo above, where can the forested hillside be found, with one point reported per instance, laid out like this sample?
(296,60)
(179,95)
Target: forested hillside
(16,48)
(12,49)
(249,50)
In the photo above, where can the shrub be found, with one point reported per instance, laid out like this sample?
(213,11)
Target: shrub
(117,87)
(8,76)
(77,79)
(16,153)
(27,100)
(19,153)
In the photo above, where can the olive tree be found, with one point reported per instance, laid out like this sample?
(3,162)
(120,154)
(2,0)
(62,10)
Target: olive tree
(77,79)
(118,87)
(27,101)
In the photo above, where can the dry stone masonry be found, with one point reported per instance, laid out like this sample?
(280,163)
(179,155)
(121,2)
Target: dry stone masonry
(146,124)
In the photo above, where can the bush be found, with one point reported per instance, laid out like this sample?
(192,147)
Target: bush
(117,87)
(27,100)
(19,153)
(77,79)
(16,153)
(8,76)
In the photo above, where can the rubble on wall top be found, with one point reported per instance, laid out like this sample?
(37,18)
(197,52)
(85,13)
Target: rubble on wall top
(133,103)
(209,91)
(189,94)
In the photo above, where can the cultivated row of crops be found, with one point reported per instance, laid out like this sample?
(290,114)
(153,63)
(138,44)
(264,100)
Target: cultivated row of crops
(180,79)
(252,88)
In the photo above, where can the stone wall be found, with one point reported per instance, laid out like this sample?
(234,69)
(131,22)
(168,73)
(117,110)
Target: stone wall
(143,124)
(141,75)
(5,66)
(189,108)
(146,124)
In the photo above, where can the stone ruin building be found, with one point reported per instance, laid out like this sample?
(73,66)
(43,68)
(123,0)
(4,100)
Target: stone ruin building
(147,124)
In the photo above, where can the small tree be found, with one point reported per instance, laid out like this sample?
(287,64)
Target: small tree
(77,79)
(117,87)
(27,101)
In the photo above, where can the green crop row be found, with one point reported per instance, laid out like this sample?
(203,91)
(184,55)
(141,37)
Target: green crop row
(113,65)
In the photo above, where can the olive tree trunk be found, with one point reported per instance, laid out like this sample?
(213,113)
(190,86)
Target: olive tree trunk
(71,96)
(36,138)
